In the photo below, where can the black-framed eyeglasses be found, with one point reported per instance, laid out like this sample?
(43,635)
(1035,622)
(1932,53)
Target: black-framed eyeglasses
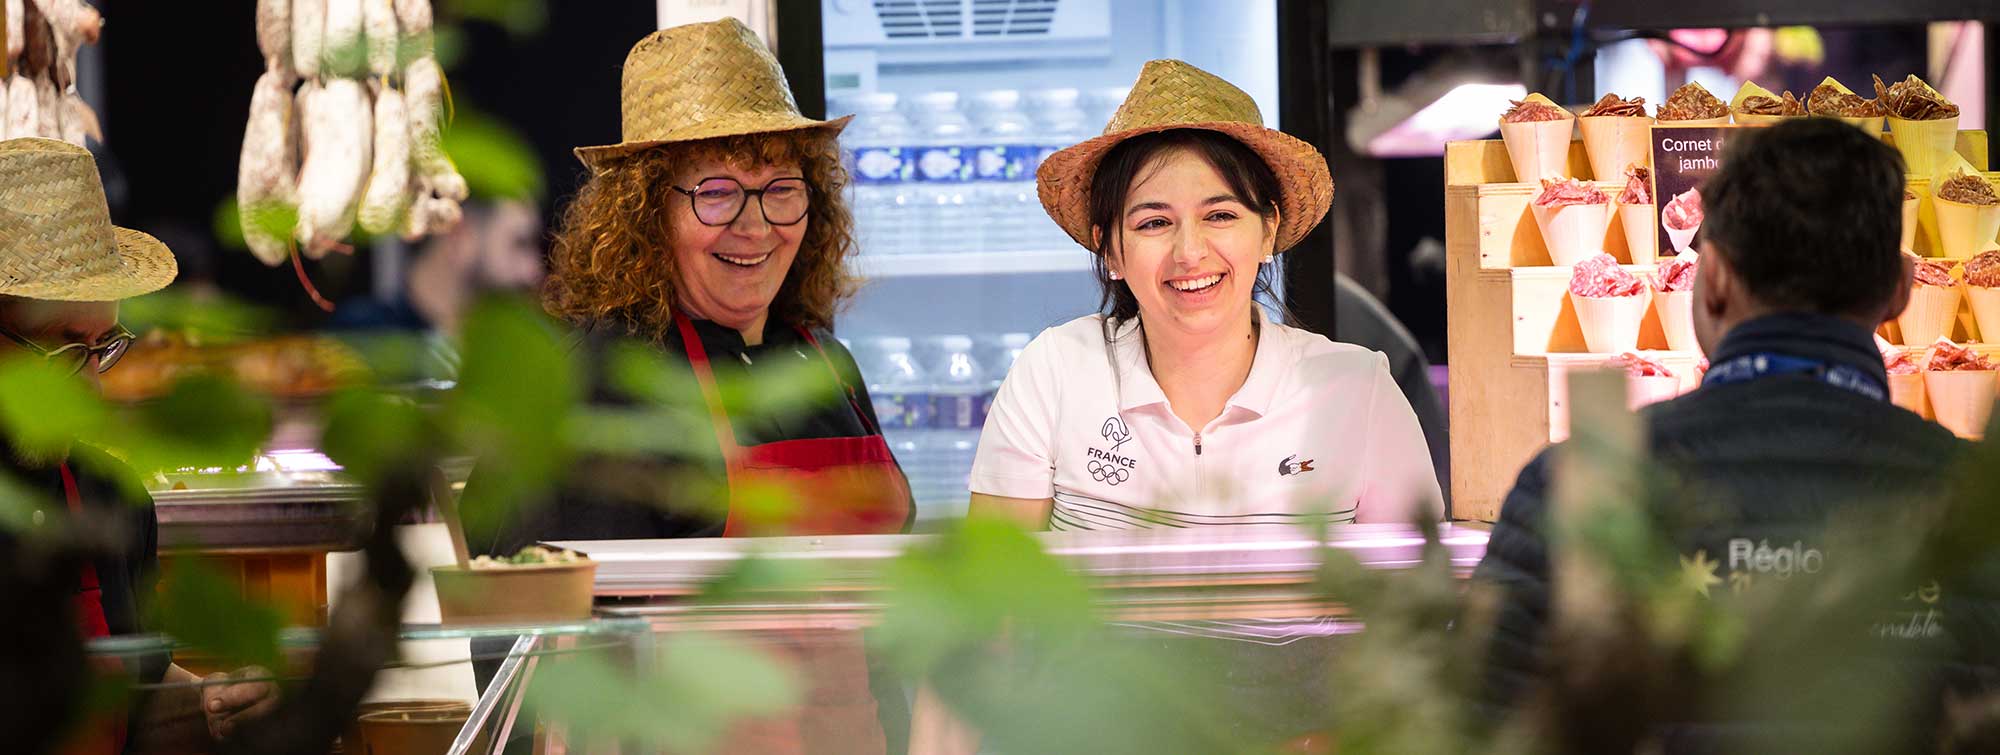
(720,200)
(76,356)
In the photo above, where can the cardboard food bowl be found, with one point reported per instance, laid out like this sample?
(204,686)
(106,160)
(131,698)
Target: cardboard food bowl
(1910,222)
(1907,391)
(413,732)
(1573,233)
(1985,304)
(1640,238)
(518,594)
(1615,142)
(1926,145)
(1677,319)
(1538,149)
(1610,323)
(1962,400)
(1932,312)
(1641,390)
(1965,230)
(355,742)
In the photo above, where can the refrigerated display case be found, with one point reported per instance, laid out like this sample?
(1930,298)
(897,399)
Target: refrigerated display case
(956,104)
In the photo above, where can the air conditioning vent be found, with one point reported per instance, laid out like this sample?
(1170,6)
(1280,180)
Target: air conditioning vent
(921,19)
(1012,18)
(957,19)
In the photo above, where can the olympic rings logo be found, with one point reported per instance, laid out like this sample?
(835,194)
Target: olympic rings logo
(1110,474)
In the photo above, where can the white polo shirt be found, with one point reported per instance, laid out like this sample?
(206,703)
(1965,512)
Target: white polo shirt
(1318,429)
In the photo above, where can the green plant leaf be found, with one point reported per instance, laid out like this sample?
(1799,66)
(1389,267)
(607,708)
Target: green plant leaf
(521,18)
(199,607)
(205,420)
(516,388)
(698,686)
(44,408)
(958,592)
(496,161)
(368,432)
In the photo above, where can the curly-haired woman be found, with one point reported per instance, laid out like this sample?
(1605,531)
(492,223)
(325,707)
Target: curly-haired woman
(716,232)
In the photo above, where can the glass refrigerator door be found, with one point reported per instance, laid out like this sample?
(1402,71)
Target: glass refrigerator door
(956,103)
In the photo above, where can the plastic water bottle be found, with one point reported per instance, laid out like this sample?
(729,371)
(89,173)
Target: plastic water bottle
(900,390)
(1004,180)
(1059,122)
(958,387)
(877,146)
(943,170)
(1000,360)
(898,386)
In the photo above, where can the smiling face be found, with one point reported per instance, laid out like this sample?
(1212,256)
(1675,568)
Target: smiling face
(1188,246)
(729,274)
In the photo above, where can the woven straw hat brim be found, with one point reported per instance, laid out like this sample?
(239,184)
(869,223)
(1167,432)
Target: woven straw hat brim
(1305,184)
(746,126)
(144,265)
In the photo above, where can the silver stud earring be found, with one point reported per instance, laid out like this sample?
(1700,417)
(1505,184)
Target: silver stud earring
(1115,276)
(1268,258)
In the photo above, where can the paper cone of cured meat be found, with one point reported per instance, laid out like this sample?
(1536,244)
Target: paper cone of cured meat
(1720,120)
(1610,323)
(1641,390)
(1677,319)
(1871,125)
(1927,145)
(1962,400)
(1748,90)
(1907,391)
(1682,238)
(1539,149)
(1932,312)
(1910,206)
(1615,142)
(1573,232)
(1985,303)
(1963,229)
(1640,238)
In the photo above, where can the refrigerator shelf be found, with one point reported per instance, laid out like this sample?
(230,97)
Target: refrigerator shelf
(972,263)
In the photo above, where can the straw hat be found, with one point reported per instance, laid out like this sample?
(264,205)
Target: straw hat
(1171,94)
(702,81)
(57,242)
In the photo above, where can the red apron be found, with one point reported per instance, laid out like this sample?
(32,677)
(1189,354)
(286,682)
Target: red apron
(838,486)
(105,733)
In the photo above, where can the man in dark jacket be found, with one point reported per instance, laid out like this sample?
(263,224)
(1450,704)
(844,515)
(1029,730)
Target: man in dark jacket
(1791,428)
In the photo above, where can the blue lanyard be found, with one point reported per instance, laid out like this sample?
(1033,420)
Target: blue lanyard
(1749,367)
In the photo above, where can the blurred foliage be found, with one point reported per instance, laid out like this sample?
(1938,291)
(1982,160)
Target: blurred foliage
(44,408)
(206,611)
(205,420)
(496,161)
(697,685)
(203,320)
(516,388)
(520,18)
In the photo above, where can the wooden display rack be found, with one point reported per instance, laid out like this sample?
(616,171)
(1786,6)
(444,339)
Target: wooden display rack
(1513,338)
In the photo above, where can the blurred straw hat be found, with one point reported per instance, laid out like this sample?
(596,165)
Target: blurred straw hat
(702,81)
(57,242)
(1172,94)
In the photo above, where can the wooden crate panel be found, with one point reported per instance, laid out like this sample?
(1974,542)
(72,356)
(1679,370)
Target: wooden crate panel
(1543,317)
(1503,229)
(1560,366)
